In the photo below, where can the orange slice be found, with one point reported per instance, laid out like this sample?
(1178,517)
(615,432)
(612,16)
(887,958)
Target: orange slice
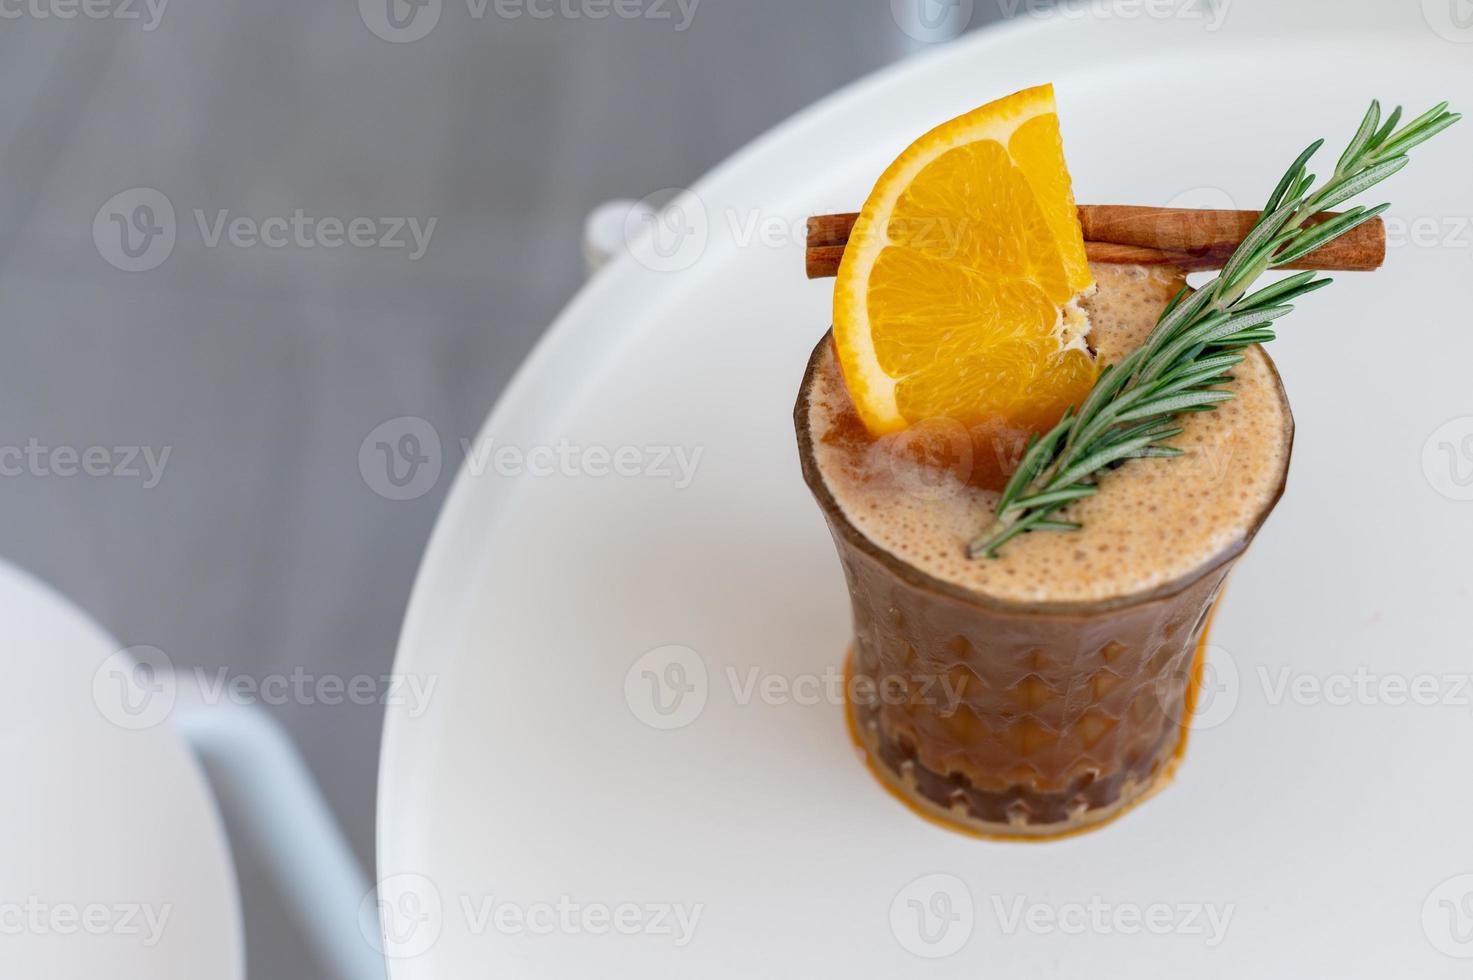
(957,295)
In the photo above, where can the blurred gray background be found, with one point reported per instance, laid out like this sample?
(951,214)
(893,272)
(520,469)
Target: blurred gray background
(262,549)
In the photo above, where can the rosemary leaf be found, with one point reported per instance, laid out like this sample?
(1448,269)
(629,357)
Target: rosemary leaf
(1389,127)
(1368,128)
(1134,404)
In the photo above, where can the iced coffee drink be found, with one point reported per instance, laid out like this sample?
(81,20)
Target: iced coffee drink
(1040,452)
(1050,684)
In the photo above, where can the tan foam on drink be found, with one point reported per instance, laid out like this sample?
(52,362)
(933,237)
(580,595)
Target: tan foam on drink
(1153,521)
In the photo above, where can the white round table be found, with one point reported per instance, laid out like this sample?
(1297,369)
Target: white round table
(114,863)
(624,771)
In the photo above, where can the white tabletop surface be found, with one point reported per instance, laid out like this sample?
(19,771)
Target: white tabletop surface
(1308,834)
(114,862)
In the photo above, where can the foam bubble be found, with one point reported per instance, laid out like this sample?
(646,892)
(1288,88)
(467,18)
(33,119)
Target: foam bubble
(1153,520)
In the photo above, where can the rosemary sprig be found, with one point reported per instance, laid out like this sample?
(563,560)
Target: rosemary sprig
(1133,407)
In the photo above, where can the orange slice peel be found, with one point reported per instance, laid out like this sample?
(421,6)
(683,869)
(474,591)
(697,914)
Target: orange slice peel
(958,294)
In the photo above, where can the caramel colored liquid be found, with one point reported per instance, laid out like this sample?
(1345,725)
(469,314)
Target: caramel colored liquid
(867,736)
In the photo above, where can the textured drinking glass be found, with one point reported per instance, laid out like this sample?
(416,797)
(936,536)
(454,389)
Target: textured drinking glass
(1016,719)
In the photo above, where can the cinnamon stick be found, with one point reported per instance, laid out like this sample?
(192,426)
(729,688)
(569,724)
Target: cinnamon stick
(1120,234)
